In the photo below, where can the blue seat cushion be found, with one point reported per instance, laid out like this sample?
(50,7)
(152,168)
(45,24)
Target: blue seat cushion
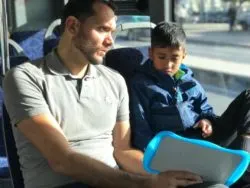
(4,168)
(125,61)
(49,44)
(31,42)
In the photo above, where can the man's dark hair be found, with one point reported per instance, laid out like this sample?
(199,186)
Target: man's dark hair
(168,34)
(82,9)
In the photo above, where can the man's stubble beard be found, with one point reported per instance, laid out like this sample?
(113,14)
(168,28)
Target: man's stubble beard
(88,50)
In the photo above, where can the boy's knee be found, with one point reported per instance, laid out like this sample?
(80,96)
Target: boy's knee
(245,143)
(242,142)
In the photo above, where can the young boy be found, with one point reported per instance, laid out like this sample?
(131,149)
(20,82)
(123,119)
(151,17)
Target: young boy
(165,96)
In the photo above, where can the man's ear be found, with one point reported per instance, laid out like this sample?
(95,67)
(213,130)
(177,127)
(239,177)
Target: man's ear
(72,25)
(150,53)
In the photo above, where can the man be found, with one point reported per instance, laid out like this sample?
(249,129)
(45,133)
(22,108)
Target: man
(70,114)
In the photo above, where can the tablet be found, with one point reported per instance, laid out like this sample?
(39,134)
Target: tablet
(169,151)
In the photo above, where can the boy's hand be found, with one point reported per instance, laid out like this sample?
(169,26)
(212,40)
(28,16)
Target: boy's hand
(206,127)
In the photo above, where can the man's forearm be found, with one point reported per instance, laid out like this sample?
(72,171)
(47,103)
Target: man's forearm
(97,174)
(130,160)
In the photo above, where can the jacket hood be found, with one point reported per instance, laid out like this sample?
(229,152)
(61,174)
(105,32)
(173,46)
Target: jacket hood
(148,69)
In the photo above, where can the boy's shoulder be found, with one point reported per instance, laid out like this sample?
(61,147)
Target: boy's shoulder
(140,78)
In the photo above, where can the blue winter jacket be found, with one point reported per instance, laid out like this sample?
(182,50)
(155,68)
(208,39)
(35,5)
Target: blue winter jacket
(159,102)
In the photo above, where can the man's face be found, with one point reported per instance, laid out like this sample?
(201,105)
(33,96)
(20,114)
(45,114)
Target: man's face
(167,59)
(94,37)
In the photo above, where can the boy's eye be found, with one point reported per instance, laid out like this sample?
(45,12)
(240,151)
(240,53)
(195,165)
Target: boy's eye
(161,57)
(103,29)
(174,59)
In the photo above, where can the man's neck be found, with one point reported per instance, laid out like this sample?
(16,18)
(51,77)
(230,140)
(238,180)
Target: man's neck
(75,64)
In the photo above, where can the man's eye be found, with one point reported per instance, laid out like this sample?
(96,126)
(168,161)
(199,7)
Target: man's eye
(161,57)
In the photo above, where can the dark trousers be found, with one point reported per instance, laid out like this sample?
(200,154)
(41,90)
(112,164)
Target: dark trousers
(232,127)
(74,185)
(234,123)
(207,185)
(201,185)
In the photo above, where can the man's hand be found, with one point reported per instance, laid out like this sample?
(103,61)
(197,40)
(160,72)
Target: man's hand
(206,127)
(174,179)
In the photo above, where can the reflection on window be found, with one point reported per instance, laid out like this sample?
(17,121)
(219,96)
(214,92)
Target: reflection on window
(35,14)
(133,37)
(217,46)
(21,16)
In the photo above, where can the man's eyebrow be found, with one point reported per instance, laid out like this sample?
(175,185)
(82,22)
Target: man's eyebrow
(107,27)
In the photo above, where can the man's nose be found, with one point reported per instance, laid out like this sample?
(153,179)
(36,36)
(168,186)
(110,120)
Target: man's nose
(109,40)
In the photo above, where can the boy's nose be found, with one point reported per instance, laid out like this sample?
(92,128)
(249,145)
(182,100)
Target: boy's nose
(168,64)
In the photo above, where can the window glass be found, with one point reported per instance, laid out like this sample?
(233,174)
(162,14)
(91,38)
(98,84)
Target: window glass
(218,34)
(136,34)
(34,14)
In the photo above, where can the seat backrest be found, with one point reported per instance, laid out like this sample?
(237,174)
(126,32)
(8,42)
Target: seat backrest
(125,61)
(49,44)
(31,42)
(9,141)
(10,146)
(52,36)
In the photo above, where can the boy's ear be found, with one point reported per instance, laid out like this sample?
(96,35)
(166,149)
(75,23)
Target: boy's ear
(150,53)
(184,54)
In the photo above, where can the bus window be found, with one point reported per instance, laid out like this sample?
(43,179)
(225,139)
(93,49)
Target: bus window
(136,34)
(217,53)
(33,14)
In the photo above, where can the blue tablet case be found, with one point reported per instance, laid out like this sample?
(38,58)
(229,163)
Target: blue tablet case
(169,151)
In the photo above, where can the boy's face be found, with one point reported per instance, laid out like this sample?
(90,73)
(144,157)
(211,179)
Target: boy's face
(167,59)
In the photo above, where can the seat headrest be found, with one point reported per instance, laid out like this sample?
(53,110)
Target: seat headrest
(49,44)
(31,42)
(124,60)
(17,60)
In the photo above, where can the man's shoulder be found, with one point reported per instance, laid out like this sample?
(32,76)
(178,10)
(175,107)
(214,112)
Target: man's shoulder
(29,68)
(109,72)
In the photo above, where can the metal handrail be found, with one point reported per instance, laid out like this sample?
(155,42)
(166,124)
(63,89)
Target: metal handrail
(16,46)
(51,28)
(4,36)
(134,25)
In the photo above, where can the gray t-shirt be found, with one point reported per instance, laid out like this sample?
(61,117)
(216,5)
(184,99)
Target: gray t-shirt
(86,109)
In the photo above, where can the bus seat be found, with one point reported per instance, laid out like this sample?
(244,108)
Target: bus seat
(125,61)
(15,49)
(31,42)
(17,60)
(14,170)
(52,36)
(4,168)
(49,44)
(10,146)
